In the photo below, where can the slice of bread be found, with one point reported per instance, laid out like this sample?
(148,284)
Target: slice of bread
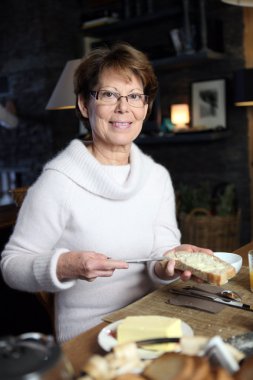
(246,370)
(220,373)
(170,366)
(203,265)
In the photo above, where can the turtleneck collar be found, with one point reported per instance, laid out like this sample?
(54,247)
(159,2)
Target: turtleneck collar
(76,163)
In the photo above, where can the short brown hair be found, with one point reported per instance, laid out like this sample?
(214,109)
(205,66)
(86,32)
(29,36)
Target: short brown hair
(123,58)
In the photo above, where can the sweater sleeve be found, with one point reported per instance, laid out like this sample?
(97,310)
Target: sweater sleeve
(29,259)
(166,233)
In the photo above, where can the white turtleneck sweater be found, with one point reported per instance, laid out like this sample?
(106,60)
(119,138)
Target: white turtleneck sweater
(78,204)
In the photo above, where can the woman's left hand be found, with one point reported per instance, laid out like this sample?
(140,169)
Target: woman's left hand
(169,271)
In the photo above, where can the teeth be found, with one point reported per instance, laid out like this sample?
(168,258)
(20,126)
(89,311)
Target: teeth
(119,124)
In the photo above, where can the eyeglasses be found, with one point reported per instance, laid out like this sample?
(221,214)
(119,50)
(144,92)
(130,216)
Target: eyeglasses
(110,98)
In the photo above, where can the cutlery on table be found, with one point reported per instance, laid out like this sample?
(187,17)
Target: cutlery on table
(227,294)
(213,298)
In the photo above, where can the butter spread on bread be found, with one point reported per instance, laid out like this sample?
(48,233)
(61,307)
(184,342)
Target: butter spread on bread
(135,328)
(203,265)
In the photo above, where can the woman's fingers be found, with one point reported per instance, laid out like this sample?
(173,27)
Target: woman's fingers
(170,268)
(96,266)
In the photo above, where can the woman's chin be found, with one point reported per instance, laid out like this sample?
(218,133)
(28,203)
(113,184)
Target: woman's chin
(124,139)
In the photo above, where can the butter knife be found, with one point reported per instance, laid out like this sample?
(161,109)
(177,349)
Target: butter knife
(150,341)
(142,260)
(214,298)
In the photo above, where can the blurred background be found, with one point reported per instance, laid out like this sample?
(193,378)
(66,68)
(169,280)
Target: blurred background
(202,53)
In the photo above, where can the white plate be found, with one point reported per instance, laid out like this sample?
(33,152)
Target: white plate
(231,258)
(107,341)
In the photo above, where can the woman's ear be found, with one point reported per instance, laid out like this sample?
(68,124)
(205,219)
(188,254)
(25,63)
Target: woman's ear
(82,106)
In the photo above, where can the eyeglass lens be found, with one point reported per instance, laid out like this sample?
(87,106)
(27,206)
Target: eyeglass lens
(134,99)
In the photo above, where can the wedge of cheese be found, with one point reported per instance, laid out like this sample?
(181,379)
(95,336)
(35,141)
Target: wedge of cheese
(136,328)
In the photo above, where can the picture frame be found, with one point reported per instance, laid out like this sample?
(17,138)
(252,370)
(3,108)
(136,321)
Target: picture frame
(208,104)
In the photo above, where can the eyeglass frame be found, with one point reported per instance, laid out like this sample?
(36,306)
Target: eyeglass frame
(95,94)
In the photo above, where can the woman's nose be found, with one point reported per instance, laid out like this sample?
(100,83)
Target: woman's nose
(122,104)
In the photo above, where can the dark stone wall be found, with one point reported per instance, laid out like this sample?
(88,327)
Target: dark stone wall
(38,37)
(218,161)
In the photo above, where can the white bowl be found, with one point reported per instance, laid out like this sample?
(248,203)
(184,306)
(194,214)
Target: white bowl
(232,258)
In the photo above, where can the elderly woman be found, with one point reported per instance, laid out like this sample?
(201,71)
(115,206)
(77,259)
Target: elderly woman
(98,202)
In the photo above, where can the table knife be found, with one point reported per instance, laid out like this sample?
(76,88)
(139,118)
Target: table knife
(214,298)
(150,341)
(188,344)
(143,260)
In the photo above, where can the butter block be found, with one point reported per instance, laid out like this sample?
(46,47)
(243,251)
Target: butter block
(135,328)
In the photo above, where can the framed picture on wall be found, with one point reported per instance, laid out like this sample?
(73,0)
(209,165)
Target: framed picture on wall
(208,104)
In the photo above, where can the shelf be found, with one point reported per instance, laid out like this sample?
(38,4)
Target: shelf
(187,59)
(183,137)
(151,20)
(125,24)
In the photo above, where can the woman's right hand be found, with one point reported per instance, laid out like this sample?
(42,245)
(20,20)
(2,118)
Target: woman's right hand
(86,266)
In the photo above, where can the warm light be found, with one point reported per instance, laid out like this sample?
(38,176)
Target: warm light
(243,87)
(244,104)
(242,3)
(63,96)
(180,115)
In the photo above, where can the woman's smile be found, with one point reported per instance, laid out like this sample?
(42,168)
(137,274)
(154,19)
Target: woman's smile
(121,124)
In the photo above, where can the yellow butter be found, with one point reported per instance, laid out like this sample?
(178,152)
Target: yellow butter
(150,326)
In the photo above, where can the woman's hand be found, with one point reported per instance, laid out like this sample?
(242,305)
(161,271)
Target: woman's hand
(86,266)
(168,272)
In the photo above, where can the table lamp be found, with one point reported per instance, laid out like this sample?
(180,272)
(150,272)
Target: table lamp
(180,115)
(7,119)
(63,96)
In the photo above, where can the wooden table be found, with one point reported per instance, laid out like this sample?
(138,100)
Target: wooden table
(82,347)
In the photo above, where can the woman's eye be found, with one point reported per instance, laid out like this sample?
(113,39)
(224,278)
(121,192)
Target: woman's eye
(134,96)
(108,94)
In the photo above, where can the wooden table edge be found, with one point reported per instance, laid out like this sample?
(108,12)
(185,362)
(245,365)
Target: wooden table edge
(79,349)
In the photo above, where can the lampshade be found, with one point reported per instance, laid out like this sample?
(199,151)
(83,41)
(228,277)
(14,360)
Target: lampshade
(63,96)
(180,115)
(243,87)
(243,3)
(7,119)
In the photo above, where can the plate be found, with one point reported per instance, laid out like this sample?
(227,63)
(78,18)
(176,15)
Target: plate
(107,341)
(231,258)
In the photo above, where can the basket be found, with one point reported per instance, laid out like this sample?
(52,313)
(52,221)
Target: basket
(18,195)
(219,233)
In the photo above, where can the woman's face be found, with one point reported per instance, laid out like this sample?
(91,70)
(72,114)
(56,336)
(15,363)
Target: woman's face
(115,124)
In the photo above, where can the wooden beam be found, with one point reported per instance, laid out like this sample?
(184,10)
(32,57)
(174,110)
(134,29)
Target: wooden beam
(247,36)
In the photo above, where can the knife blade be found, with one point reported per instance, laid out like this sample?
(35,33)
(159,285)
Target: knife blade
(141,260)
(214,298)
(188,344)
(150,341)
